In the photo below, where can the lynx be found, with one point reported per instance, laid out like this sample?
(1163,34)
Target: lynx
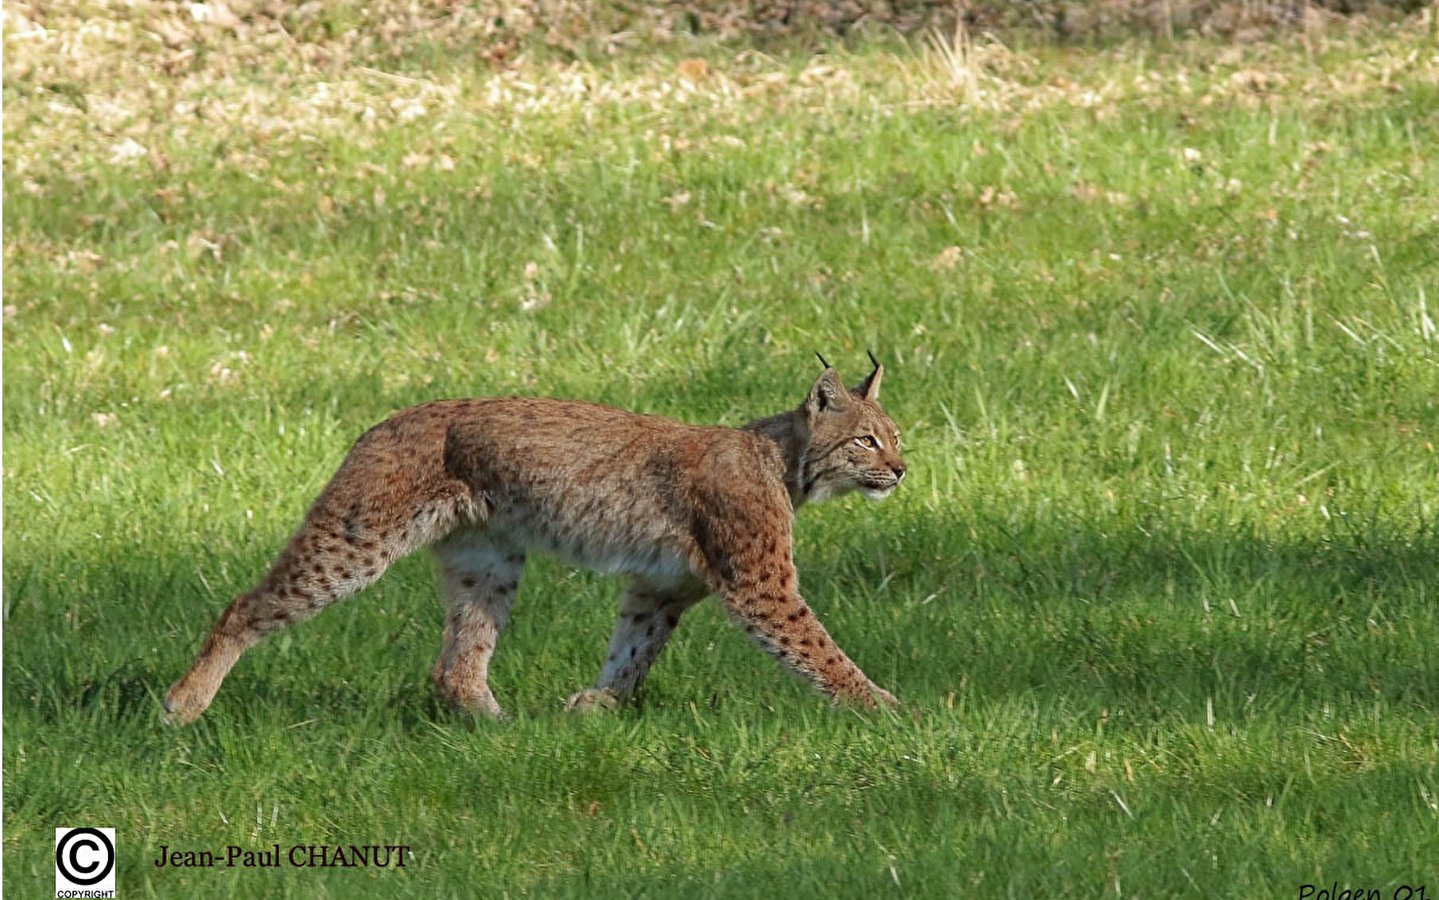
(683,511)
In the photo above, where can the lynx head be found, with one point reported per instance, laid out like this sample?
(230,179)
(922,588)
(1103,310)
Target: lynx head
(853,445)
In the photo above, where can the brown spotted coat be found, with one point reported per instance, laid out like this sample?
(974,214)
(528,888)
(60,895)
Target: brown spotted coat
(683,511)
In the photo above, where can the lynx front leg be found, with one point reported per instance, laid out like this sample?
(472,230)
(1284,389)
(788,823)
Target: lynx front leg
(648,616)
(782,623)
(478,580)
(750,564)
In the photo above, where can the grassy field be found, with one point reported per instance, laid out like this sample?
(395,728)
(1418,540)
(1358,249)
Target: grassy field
(1159,593)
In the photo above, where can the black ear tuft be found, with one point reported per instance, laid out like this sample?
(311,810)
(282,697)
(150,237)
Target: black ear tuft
(869,388)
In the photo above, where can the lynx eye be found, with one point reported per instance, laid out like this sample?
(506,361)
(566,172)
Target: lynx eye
(867,442)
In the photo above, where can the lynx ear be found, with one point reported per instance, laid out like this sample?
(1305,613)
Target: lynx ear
(827,394)
(869,388)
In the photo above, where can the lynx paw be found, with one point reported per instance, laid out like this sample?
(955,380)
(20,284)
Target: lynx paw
(181,708)
(591,699)
(884,697)
(472,702)
(872,696)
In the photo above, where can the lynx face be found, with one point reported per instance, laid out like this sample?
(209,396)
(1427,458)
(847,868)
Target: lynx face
(853,444)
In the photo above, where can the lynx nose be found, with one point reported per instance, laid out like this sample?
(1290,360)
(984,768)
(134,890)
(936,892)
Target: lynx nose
(898,472)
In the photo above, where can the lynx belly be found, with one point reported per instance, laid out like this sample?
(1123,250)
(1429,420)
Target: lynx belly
(601,546)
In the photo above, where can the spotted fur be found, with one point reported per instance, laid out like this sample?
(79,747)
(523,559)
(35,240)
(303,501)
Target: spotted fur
(683,511)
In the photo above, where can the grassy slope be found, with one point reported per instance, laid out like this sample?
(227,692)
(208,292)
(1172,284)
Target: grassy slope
(1160,594)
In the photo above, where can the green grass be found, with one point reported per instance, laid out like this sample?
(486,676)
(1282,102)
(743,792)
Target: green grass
(1159,593)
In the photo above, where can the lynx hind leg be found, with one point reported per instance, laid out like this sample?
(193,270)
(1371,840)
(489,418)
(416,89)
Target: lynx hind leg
(360,524)
(478,581)
(648,616)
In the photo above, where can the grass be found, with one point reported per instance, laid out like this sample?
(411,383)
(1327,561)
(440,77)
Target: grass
(1159,592)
